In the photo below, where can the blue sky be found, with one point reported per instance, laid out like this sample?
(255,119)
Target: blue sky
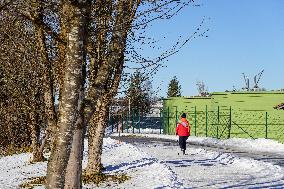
(244,36)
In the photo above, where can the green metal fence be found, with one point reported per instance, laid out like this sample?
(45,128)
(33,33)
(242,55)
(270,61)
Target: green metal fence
(225,123)
(221,122)
(136,122)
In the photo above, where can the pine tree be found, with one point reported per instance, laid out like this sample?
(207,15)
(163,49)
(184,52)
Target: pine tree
(174,89)
(139,93)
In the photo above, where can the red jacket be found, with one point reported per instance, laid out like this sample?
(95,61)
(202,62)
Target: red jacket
(183,128)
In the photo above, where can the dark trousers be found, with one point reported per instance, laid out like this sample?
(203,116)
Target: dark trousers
(182,142)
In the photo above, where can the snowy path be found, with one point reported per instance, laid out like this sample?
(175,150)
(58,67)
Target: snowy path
(212,167)
(153,163)
(274,158)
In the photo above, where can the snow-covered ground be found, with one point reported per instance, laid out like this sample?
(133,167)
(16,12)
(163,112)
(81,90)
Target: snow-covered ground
(250,145)
(159,166)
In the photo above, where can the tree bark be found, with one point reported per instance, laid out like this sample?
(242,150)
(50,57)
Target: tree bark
(47,82)
(74,168)
(115,61)
(99,123)
(37,155)
(96,135)
(70,95)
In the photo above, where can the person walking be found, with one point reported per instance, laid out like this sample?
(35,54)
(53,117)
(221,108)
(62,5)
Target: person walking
(183,131)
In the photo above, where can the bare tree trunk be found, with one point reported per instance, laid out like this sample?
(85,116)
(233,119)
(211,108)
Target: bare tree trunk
(96,135)
(60,69)
(48,86)
(70,95)
(37,155)
(74,168)
(99,120)
(45,67)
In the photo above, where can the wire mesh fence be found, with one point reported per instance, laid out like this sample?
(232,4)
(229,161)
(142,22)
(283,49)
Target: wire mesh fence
(221,123)
(133,122)
(224,123)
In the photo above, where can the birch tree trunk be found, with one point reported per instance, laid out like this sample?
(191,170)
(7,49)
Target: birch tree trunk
(70,95)
(95,140)
(74,168)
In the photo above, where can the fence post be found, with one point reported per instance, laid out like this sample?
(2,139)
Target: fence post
(218,119)
(132,122)
(122,122)
(139,119)
(118,123)
(206,117)
(230,123)
(266,125)
(162,121)
(176,116)
(168,120)
(110,120)
(127,121)
(194,120)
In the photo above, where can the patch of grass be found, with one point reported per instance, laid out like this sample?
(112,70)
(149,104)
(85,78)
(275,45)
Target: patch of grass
(96,178)
(36,181)
(99,178)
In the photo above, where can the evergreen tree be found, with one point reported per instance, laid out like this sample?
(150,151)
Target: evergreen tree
(174,89)
(139,93)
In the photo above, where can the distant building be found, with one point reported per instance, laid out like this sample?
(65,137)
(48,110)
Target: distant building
(156,109)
